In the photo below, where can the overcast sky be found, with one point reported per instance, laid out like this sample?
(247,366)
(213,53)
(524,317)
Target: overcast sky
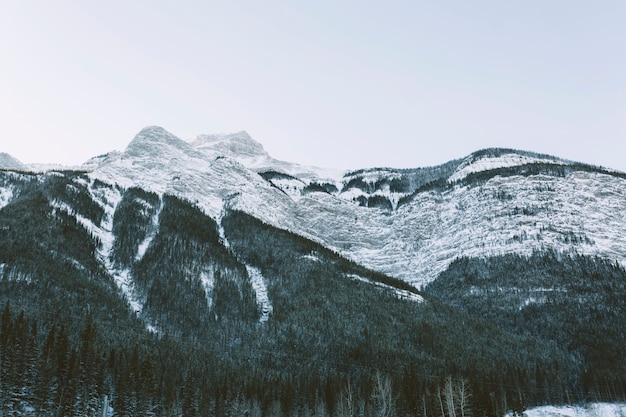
(339,84)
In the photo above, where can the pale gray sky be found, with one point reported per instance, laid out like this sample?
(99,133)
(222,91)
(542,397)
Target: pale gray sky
(341,84)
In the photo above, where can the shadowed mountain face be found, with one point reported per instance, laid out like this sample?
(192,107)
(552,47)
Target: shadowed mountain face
(179,276)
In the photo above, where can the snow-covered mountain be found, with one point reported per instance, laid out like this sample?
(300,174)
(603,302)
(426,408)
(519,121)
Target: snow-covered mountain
(409,224)
(233,269)
(8,162)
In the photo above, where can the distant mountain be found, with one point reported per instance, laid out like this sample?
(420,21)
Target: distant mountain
(8,162)
(206,277)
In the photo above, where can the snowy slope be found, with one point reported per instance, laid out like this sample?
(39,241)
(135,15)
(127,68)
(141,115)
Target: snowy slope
(8,162)
(241,147)
(162,163)
(485,163)
(579,212)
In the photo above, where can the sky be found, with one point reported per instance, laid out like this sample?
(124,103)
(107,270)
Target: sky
(339,84)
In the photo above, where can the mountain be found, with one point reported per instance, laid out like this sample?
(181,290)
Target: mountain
(8,162)
(180,276)
(491,202)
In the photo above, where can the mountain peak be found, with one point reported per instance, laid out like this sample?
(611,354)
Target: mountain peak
(155,134)
(8,162)
(154,141)
(236,145)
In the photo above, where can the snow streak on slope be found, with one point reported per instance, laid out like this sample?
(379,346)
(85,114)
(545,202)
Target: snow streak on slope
(6,195)
(401,294)
(260,289)
(256,279)
(143,246)
(208,283)
(109,198)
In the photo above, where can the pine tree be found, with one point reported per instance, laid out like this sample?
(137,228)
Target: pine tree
(190,401)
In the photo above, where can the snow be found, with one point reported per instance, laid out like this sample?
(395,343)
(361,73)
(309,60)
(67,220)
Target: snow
(420,239)
(311,257)
(241,147)
(145,244)
(292,187)
(109,198)
(208,283)
(415,242)
(257,280)
(260,288)
(6,195)
(372,175)
(580,213)
(122,277)
(589,410)
(165,164)
(488,163)
(352,194)
(401,294)
(124,281)
(83,221)
(9,162)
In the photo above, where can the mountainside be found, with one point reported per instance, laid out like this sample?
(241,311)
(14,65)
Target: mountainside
(226,280)
(8,162)
(409,224)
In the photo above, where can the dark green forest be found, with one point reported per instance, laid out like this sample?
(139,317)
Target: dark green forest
(576,302)
(483,342)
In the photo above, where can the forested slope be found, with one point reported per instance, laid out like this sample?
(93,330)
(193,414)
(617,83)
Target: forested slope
(339,335)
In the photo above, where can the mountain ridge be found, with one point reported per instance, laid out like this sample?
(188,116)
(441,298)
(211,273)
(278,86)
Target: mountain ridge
(370,215)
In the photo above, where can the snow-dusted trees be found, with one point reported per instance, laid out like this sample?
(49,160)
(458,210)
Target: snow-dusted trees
(382,397)
(454,398)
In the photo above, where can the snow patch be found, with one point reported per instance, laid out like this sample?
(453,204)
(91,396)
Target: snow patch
(109,198)
(83,221)
(145,244)
(502,161)
(291,187)
(401,294)
(208,283)
(6,195)
(260,288)
(124,281)
(311,257)
(589,410)
(256,278)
